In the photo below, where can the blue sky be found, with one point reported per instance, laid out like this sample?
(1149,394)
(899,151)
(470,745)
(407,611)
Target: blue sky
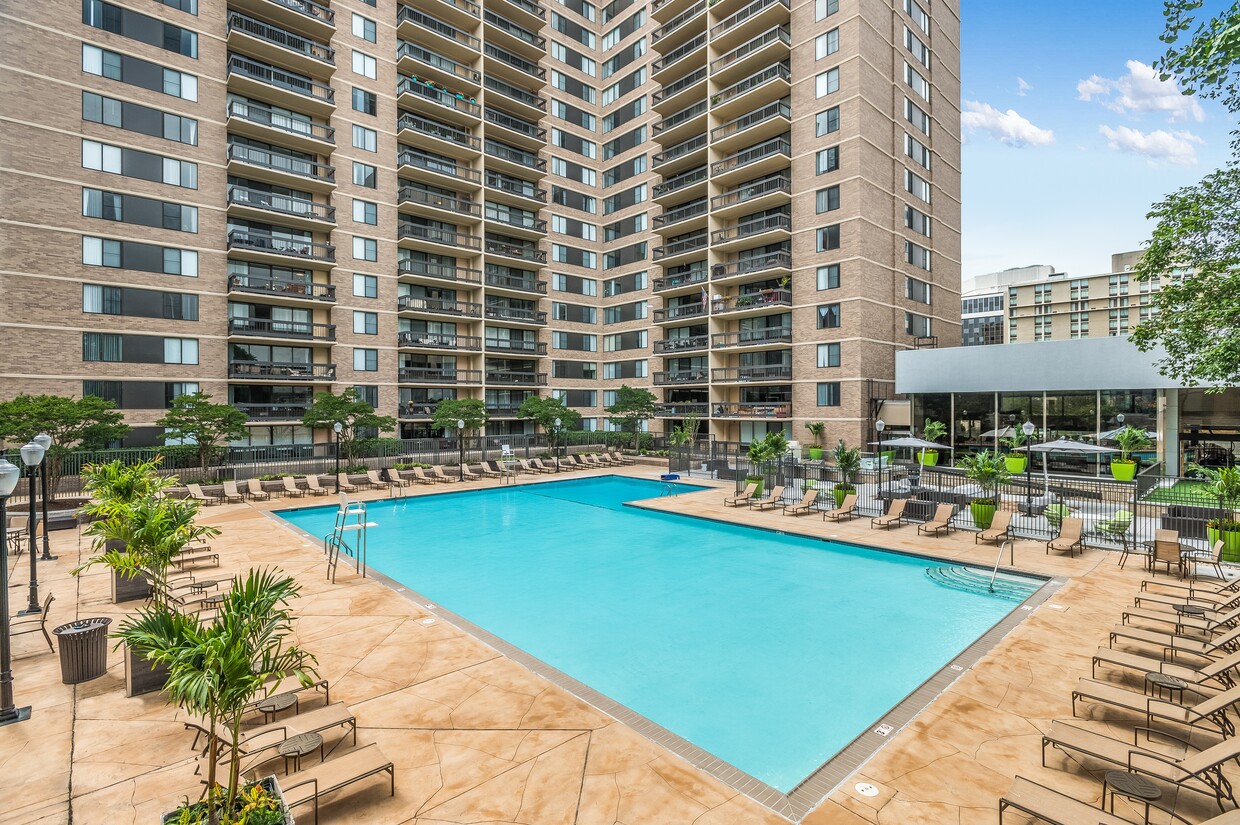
(1051,177)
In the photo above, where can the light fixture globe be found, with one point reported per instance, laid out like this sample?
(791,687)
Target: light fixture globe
(1027,428)
(337,427)
(43,440)
(1119,419)
(9,475)
(460,424)
(32,454)
(880,425)
(557,423)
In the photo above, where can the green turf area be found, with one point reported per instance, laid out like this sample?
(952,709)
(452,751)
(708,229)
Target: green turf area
(1183,492)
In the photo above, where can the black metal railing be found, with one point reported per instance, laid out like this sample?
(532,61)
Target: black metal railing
(749,228)
(440,235)
(440,306)
(781,182)
(277,286)
(778,33)
(268,328)
(678,21)
(669,346)
(516,378)
(267,412)
(266,73)
(439,27)
(693,310)
(446,272)
(438,166)
(733,20)
(752,154)
(439,340)
(778,71)
(264,115)
(497,278)
(515,92)
(281,37)
(754,263)
(435,129)
(438,375)
(280,162)
(680,52)
(680,118)
(450,203)
(771,111)
(684,212)
(516,347)
(510,250)
(666,378)
(516,124)
(277,245)
(503,312)
(685,147)
(682,246)
(763,372)
(679,85)
(423,55)
(519,32)
(457,101)
(283,204)
(751,337)
(519,156)
(515,186)
(680,181)
(515,61)
(281,370)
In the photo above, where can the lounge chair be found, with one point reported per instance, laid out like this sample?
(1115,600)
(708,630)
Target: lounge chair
(1232,586)
(537,464)
(774,499)
(1055,514)
(421,477)
(1211,558)
(942,521)
(1173,644)
(486,470)
(1069,537)
(343,484)
(1048,805)
(1209,714)
(744,497)
(254,489)
(438,474)
(1209,621)
(894,514)
(1201,772)
(231,493)
(340,771)
(375,480)
(1211,601)
(1220,672)
(291,488)
(196,556)
(1168,551)
(468,474)
(264,737)
(1000,528)
(293,685)
(847,509)
(805,505)
(395,480)
(314,487)
(1116,527)
(530,468)
(591,460)
(620,458)
(34,623)
(196,493)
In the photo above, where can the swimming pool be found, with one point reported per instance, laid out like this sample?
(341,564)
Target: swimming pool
(770,651)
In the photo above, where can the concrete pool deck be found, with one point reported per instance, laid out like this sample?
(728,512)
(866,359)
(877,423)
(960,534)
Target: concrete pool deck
(479,737)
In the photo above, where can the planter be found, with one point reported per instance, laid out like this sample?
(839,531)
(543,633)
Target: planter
(983,510)
(840,491)
(928,458)
(141,677)
(1015,463)
(815,453)
(755,480)
(1231,542)
(125,589)
(1122,470)
(269,783)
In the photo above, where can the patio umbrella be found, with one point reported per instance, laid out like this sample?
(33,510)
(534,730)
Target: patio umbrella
(1109,435)
(911,442)
(1002,432)
(1062,445)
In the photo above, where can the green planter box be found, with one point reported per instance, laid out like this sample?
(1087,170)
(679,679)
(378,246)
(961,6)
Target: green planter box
(929,458)
(758,481)
(1231,542)
(1123,470)
(840,492)
(1015,463)
(815,453)
(983,513)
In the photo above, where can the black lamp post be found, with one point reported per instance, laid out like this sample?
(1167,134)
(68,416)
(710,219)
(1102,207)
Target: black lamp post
(1027,428)
(880,425)
(557,445)
(32,456)
(9,475)
(337,428)
(460,445)
(45,441)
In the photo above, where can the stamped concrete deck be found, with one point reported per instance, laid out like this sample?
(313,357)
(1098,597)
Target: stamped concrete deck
(477,737)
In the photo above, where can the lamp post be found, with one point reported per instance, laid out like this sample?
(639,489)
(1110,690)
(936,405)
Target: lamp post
(460,445)
(45,441)
(557,444)
(337,428)
(880,425)
(1027,428)
(32,456)
(9,474)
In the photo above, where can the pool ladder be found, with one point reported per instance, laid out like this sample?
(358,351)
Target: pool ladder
(994,574)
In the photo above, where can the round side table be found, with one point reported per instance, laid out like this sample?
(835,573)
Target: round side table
(1157,683)
(274,704)
(295,747)
(1131,785)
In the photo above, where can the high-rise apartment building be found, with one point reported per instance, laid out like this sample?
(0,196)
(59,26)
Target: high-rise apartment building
(746,206)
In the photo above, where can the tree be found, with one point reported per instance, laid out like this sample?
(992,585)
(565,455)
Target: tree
(87,423)
(350,412)
(1209,64)
(685,434)
(543,410)
(193,419)
(451,410)
(633,407)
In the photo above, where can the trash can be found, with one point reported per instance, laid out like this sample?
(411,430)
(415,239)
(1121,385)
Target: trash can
(83,649)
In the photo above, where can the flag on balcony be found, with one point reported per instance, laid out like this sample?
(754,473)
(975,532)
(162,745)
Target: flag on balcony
(705,297)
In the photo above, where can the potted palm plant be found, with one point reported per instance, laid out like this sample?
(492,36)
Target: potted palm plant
(1015,461)
(216,669)
(762,451)
(1130,439)
(931,431)
(987,470)
(816,429)
(847,464)
(1224,484)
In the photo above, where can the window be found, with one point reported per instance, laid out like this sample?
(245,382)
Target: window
(365,323)
(916,82)
(828,355)
(916,150)
(180,306)
(826,44)
(916,116)
(140,27)
(101,300)
(101,157)
(828,200)
(364,101)
(827,122)
(917,221)
(180,350)
(99,346)
(825,8)
(828,237)
(180,173)
(828,82)
(107,390)
(365,360)
(916,325)
(101,62)
(365,286)
(829,393)
(829,276)
(365,212)
(181,262)
(364,138)
(827,160)
(828,316)
(916,290)
(99,109)
(363,28)
(916,186)
(180,84)
(368,394)
(365,249)
(364,175)
(918,49)
(99,204)
(917,255)
(101,252)
(364,64)
(918,14)
(180,129)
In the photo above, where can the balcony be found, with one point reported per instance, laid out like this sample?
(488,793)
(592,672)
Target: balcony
(439,340)
(536,103)
(453,107)
(466,11)
(674,31)
(677,346)
(747,266)
(253,78)
(416,410)
(435,236)
(762,373)
(307,15)
(774,81)
(529,254)
(281,371)
(280,45)
(680,377)
(683,184)
(751,232)
(765,299)
(267,328)
(456,44)
(519,315)
(751,338)
(745,410)
(685,246)
(437,137)
(681,409)
(457,171)
(516,379)
(510,346)
(515,187)
(438,375)
(496,278)
(274,412)
(753,195)
(689,152)
(433,201)
(275,287)
(515,66)
(438,306)
(438,272)
(773,44)
(754,160)
(670,129)
(531,8)
(676,55)
(664,10)
(260,121)
(670,282)
(297,212)
(665,96)
(515,220)
(503,410)
(761,123)
(515,37)
(268,244)
(521,129)
(679,313)
(757,14)
(275,167)
(413,59)
(679,214)
(525,161)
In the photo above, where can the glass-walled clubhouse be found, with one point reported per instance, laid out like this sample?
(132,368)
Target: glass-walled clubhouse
(1079,389)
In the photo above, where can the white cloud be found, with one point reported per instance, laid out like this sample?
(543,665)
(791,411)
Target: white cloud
(1006,127)
(1158,146)
(1022,87)
(1141,92)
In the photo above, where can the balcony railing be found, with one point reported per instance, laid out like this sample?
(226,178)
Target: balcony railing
(527,159)
(678,21)
(439,340)
(438,61)
(267,412)
(283,204)
(262,72)
(267,327)
(759,226)
(693,276)
(751,337)
(522,379)
(468,6)
(310,9)
(438,375)
(503,410)
(447,272)
(443,306)
(679,85)
(508,345)
(780,33)
(669,346)
(516,124)
(435,129)
(681,181)
(498,278)
(519,32)
(683,116)
(281,37)
(733,20)
(437,234)
(781,182)
(281,163)
(275,286)
(770,73)
(683,212)
(682,51)
(681,409)
(416,409)
(264,115)
(756,263)
(515,92)
(276,245)
(282,370)
(693,310)
(518,63)
(753,154)
(763,372)
(696,376)
(438,26)
(515,219)
(502,312)
(429,164)
(515,186)
(455,101)
(535,9)
(451,203)
(774,109)
(744,410)
(754,300)
(685,147)
(525,253)
(681,247)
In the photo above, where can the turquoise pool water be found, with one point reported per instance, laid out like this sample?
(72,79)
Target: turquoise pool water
(772,652)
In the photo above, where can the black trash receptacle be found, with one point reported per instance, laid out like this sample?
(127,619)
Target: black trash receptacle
(83,649)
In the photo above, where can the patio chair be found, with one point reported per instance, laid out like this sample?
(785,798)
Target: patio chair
(942,521)
(1116,527)
(530,468)
(1175,645)
(744,497)
(1047,805)
(17,532)
(395,479)
(313,486)
(894,514)
(377,481)
(1069,537)
(196,493)
(34,623)
(774,499)
(1056,513)
(290,486)
(266,737)
(1190,559)
(1211,601)
(1208,621)
(231,493)
(537,464)
(620,458)
(1213,674)
(343,483)
(1168,550)
(1209,714)
(438,474)
(805,505)
(847,509)
(254,489)
(486,470)
(1000,528)
(421,477)
(334,774)
(468,474)
(293,685)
